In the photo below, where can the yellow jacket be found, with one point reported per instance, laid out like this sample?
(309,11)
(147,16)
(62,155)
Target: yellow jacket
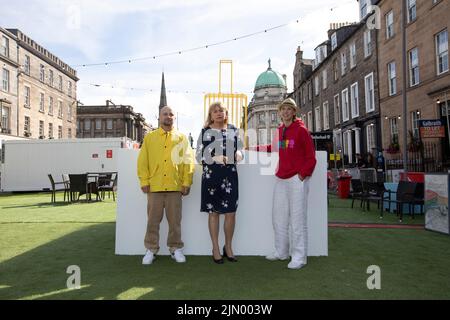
(166,161)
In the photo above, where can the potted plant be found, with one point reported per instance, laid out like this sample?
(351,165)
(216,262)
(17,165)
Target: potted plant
(394,147)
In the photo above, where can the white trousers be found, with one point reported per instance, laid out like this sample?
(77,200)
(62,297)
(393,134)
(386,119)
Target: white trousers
(289,216)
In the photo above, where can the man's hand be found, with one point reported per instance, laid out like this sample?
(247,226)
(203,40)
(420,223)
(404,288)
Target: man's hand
(185,191)
(145,189)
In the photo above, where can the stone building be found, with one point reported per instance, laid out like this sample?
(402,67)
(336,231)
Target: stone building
(39,89)
(270,90)
(109,121)
(339,92)
(427,72)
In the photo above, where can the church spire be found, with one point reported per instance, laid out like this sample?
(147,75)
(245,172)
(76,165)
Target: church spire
(163,99)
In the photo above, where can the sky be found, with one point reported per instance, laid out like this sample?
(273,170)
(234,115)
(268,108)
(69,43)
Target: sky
(97,31)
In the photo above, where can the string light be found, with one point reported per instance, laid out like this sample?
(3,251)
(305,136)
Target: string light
(109,86)
(178,52)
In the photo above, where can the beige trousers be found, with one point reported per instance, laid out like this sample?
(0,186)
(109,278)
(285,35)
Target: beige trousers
(156,203)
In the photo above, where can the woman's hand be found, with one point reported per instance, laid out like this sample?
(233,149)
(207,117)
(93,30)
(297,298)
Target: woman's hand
(220,159)
(239,156)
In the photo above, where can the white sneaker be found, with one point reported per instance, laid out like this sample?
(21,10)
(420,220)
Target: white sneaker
(296,264)
(148,258)
(178,256)
(274,257)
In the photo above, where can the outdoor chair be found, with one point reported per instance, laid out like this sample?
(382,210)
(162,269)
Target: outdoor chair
(377,192)
(418,199)
(66,182)
(108,185)
(78,186)
(54,185)
(405,195)
(357,192)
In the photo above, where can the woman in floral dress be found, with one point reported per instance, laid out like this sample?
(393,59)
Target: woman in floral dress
(218,150)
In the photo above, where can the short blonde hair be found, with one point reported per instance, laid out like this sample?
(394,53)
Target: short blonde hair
(211,108)
(289,102)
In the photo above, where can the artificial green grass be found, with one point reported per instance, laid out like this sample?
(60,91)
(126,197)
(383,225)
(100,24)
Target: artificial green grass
(39,245)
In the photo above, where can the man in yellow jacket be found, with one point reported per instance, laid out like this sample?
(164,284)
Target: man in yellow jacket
(165,168)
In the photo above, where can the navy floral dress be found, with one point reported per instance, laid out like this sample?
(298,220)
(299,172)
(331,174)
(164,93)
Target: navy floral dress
(220,193)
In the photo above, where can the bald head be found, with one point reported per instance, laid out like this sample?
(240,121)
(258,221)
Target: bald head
(166,118)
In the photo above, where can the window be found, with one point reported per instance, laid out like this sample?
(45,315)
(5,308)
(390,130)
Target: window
(367,43)
(363,9)
(98,124)
(324,79)
(304,96)
(333,41)
(273,117)
(309,91)
(261,120)
(326,116)
(442,52)
(26,127)
(412,10)
(41,129)
(345,109)
(50,130)
(69,113)
(318,120)
(87,125)
(5,46)
(335,70)
(352,55)
(370,132)
(316,85)
(27,96)
(50,106)
(5,118)
(69,89)
(109,123)
(369,93)
(390,24)
(42,73)
(392,78)
(343,63)
(41,103)
(27,65)
(60,109)
(50,78)
(60,86)
(414,67)
(354,94)
(337,110)
(59,132)
(394,129)
(415,117)
(69,133)
(310,122)
(5,80)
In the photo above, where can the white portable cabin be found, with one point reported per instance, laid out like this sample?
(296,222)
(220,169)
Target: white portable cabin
(26,164)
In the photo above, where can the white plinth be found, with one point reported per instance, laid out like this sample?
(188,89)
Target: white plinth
(253,234)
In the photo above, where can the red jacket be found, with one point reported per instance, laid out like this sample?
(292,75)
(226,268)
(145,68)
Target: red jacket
(296,150)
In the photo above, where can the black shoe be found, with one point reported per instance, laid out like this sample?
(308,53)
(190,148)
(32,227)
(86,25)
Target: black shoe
(218,261)
(231,259)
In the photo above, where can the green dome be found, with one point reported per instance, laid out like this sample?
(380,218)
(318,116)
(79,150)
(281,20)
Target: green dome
(270,78)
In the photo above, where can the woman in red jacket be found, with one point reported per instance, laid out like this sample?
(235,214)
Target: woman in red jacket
(297,160)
